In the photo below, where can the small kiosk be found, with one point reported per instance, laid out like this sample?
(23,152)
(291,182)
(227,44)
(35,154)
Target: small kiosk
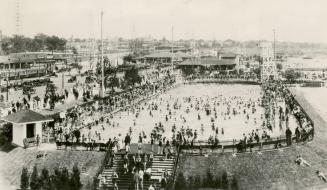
(26,125)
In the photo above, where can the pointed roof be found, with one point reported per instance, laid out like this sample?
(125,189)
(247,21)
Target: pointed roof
(26,116)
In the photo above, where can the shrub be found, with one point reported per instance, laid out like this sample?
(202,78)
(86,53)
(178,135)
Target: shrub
(35,183)
(217,182)
(180,182)
(45,181)
(234,183)
(24,179)
(190,182)
(75,181)
(209,180)
(224,180)
(197,182)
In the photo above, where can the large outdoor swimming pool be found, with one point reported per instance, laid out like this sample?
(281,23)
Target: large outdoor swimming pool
(234,111)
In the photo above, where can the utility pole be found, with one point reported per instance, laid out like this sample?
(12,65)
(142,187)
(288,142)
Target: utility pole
(102,66)
(274,46)
(8,75)
(18,18)
(172,48)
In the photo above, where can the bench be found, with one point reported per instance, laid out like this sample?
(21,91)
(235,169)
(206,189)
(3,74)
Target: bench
(29,142)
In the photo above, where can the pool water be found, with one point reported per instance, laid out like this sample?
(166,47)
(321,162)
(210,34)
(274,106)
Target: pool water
(234,109)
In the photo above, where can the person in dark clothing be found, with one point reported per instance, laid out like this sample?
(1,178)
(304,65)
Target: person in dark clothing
(288,136)
(160,147)
(127,139)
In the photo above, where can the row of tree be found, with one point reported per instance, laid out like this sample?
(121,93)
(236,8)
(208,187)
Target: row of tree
(19,43)
(61,179)
(208,181)
(111,80)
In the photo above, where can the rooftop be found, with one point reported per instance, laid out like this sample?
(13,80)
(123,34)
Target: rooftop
(168,55)
(26,116)
(208,61)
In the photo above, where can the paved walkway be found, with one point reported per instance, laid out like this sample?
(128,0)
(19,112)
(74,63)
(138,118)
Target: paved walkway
(320,125)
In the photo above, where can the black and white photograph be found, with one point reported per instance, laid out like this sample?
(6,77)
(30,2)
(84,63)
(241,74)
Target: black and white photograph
(163,95)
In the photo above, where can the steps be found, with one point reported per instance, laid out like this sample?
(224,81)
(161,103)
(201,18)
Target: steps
(125,181)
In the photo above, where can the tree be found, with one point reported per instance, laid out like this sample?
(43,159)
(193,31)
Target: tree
(6,134)
(209,179)
(75,181)
(291,75)
(24,179)
(55,43)
(234,183)
(180,182)
(45,181)
(197,182)
(39,42)
(19,43)
(56,179)
(132,76)
(50,92)
(218,182)
(64,179)
(112,81)
(190,183)
(224,180)
(35,183)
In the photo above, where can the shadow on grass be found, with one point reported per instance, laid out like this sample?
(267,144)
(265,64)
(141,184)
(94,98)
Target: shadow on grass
(7,147)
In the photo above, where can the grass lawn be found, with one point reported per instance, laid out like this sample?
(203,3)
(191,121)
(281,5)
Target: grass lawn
(15,160)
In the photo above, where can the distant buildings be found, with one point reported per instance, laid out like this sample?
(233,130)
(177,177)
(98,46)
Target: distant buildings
(31,64)
(1,52)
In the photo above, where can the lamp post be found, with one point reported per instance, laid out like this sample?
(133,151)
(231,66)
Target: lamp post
(8,75)
(102,66)
(172,48)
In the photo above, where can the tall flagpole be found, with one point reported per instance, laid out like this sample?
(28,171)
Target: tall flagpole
(172,48)
(102,66)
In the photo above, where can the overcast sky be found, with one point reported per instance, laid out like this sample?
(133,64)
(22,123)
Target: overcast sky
(294,20)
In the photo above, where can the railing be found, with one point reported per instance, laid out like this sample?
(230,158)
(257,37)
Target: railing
(241,80)
(175,167)
(239,147)
(87,146)
(107,159)
(302,109)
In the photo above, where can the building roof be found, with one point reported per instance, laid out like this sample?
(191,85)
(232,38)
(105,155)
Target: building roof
(4,59)
(208,61)
(311,69)
(227,55)
(26,116)
(168,55)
